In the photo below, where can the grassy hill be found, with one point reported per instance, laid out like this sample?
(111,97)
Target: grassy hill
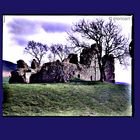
(71,99)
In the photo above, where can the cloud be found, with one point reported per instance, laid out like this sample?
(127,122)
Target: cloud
(20,41)
(26,27)
(55,27)
(22,27)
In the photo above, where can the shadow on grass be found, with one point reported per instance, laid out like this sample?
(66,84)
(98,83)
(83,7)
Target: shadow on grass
(6,93)
(84,82)
(74,81)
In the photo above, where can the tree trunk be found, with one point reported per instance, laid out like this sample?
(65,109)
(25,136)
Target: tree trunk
(101,69)
(99,56)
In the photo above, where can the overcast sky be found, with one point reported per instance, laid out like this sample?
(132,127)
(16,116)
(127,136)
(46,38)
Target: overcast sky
(18,30)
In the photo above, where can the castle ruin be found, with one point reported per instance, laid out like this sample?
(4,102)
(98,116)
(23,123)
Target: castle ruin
(54,72)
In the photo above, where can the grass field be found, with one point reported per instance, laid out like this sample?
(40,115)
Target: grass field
(5,79)
(70,99)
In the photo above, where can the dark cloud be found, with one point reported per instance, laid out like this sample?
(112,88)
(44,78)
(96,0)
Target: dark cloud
(20,41)
(22,27)
(55,27)
(28,27)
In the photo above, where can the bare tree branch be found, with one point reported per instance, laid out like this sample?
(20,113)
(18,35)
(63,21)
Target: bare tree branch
(36,49)
(107,36)
(59,50)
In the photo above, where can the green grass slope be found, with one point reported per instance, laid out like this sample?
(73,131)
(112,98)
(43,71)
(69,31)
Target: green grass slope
(5,79)
(70,99)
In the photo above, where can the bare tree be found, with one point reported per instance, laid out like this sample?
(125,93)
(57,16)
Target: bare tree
(94,31)
(37,50)
(76,44)
(53,50)
(59,50)
(115,43)
(108,39)
(50,57)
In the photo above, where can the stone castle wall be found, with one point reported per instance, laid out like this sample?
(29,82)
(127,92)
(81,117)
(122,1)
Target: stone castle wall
(57,71)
